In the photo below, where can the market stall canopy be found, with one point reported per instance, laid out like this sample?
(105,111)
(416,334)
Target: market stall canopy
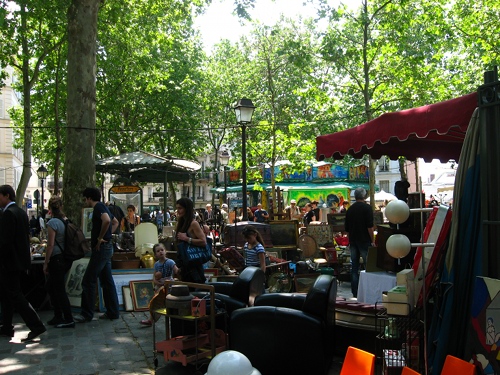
(146,167)
(382,196)
(434,131)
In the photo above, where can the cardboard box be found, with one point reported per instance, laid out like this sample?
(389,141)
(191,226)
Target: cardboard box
(406,278)
(396,301)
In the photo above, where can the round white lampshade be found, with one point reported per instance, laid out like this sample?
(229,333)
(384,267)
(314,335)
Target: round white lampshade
(397,212)
(231,362)
(398,246)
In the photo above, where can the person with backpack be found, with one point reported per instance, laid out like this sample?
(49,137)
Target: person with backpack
(56,267)
(103,224)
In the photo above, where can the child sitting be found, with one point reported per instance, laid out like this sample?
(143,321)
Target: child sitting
(165,269)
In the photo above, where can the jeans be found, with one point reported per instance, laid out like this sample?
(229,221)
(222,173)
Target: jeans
(100,267)
(357,250)
(58,268)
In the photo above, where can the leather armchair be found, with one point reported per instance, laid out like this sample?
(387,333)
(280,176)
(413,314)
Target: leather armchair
(242,292)
(288,333)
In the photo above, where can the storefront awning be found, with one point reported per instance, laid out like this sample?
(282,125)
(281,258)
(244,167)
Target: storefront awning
(295,185)
(435,131)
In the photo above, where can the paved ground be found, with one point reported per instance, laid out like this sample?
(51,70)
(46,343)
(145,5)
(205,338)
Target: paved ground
(100,347)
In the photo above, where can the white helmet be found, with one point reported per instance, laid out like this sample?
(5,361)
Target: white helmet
(224,206)
(231,362)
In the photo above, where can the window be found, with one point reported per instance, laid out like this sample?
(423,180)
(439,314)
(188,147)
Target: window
(185,191)
(1,108)
(201,192)
(384,185)
(2,176)
(383,164)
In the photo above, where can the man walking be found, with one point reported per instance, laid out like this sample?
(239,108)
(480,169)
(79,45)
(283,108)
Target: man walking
(359,226)
(15,259)
(103,224)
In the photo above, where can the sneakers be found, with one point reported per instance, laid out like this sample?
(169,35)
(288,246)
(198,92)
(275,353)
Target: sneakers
(106,316)
(66,325)
(81,319)
(34,334)
(146,322)
(55,320)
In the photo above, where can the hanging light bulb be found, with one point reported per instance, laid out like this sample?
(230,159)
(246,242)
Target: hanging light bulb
(398,246)
(397,212)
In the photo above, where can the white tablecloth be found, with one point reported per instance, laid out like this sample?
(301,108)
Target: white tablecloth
(372,284)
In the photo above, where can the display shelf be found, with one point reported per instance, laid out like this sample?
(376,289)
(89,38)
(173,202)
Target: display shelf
(399,341)
(193,348)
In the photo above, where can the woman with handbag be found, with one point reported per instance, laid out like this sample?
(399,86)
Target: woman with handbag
(189,230)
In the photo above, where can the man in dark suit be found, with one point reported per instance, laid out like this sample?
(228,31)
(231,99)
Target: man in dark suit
(15,260)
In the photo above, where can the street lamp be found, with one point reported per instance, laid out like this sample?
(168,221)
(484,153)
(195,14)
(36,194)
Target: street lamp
(224,161)
(42,175)
(244,110)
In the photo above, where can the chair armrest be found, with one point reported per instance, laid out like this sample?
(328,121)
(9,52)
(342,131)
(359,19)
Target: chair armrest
(223,287)
(290,300)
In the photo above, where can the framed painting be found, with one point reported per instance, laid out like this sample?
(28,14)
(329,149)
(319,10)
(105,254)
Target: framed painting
(74,281)
(123,277)
(142,291)
(127,298)
(304,282)
(211,274)
(87,221)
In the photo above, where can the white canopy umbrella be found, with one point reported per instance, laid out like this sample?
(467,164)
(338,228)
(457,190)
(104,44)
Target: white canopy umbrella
(382,196)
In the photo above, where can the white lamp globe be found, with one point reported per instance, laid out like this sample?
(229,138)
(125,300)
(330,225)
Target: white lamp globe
(231,362)
(398,246)
(397,212)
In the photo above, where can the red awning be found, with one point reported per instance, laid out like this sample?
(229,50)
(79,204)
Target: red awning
(434,131)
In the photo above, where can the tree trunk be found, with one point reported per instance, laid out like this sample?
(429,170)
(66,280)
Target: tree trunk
(28,130)
(79,169)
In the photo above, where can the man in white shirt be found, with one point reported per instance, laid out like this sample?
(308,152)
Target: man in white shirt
(293,211)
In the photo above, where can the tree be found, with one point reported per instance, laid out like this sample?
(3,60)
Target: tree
(28,37)
(388,56)
(79,171)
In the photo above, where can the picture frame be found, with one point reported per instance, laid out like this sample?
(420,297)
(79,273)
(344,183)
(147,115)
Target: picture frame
(211,274)
(142,291)
(304,282)
(74,280)
(122,277)
(127,298)
(87,221)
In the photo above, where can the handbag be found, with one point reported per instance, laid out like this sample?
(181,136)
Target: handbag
(194,255)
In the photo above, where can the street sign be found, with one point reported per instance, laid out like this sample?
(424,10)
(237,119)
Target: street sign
(28,203)
(158,194)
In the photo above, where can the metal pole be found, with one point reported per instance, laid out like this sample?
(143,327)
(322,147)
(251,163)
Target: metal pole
(225,184)
(42,194)
(244,216)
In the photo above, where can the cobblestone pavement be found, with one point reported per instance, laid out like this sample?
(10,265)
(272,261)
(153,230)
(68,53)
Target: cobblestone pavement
(100,347)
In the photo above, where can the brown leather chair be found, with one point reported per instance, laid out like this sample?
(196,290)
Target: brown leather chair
(288,333)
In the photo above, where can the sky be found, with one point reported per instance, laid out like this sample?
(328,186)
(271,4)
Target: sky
(218,22)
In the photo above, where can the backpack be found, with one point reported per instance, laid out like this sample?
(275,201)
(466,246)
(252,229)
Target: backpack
(75,243)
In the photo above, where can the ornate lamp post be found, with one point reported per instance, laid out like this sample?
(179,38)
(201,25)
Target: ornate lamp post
(42,175)
(244,111)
